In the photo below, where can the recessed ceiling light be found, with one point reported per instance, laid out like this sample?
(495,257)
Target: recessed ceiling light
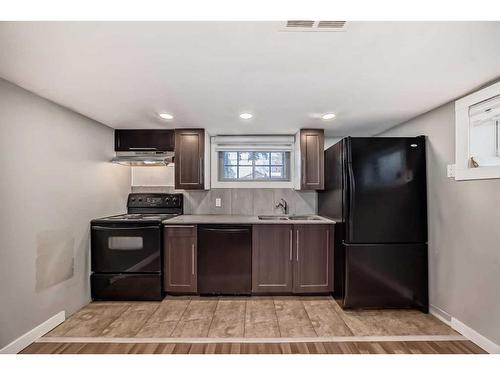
(246,116)
(166,116)
(328,116)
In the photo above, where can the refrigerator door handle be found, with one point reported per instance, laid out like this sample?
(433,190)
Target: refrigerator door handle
(352,192)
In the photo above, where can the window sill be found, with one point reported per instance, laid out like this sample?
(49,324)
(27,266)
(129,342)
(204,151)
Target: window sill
(480,173)
(252,184)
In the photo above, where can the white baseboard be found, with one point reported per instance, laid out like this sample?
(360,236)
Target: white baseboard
(440,314)
(465,330)
(29,337)
(475,337)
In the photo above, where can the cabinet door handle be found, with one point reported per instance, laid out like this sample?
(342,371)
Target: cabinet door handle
(291,244)
(192,259)
(201,171)
(303,170)
(297,246)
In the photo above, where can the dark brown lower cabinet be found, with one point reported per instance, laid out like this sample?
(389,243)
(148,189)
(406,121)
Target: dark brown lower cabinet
(313,263)
(272,257)
(180,252)
(292,259)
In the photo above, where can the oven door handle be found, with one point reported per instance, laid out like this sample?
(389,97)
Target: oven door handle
(123,228)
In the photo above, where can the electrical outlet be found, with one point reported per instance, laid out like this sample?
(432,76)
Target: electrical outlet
(218,202)
(450,170)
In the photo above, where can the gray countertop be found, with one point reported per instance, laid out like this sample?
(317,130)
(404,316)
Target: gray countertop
(237,219)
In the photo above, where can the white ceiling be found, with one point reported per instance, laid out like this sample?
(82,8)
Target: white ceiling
(373,76)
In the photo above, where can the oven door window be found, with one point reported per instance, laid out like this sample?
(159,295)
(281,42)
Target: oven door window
(125,243)
(125,249)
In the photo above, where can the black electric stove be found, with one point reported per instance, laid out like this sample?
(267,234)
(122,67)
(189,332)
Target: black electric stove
(134,218)
(126,250)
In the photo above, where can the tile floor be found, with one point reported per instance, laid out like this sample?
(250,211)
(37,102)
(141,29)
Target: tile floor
(260,317)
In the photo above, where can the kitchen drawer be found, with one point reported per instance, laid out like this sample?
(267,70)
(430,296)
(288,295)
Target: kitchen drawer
(126,287)
(180,230)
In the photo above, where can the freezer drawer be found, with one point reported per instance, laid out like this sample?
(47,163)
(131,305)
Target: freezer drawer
(126,287)
(386,276)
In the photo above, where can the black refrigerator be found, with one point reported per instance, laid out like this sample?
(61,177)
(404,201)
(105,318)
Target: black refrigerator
(375,189)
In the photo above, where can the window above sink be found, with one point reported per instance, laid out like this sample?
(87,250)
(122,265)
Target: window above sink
(254,165)
(252,161)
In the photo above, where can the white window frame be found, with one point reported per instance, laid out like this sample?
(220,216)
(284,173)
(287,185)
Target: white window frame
(462,136)
(251,143)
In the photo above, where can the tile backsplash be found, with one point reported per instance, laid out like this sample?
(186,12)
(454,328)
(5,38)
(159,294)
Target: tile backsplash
(241,201)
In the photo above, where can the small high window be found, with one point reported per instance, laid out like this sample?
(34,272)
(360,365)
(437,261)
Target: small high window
(252,161)
(484,120)
(254,166)
(478,134)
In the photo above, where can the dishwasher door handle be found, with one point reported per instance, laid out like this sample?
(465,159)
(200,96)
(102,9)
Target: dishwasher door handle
(228,230)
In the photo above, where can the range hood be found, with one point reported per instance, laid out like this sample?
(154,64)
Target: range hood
(144,147)
(144,158)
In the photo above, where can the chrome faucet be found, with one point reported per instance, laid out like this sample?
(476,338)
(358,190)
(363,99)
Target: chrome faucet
(284,206)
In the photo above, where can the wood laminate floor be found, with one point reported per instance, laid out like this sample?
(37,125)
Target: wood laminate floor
(243,317)
(248,325)
(393,347)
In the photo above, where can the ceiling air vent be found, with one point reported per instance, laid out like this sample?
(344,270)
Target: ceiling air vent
(305,25)
(299,23)
(331,24)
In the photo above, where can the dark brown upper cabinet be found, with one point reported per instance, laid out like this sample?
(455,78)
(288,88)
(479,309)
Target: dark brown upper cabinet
(272,258)
(144,140)
(313,258)
(189,159)
(180,253)
(312,172)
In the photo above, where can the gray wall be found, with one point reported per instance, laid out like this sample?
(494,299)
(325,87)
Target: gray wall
(55,177)
(464,235)
(241,201)
(330,141)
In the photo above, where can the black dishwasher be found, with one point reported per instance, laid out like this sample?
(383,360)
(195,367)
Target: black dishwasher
(224,259)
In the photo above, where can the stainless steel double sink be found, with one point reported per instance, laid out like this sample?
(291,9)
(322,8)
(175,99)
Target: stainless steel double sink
(293,217)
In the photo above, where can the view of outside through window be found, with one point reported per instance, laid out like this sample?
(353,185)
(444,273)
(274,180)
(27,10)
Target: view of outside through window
(484,137)
(254,165)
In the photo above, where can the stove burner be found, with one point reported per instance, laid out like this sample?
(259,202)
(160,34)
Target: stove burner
(126,216)
(151,208)
(139,217)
